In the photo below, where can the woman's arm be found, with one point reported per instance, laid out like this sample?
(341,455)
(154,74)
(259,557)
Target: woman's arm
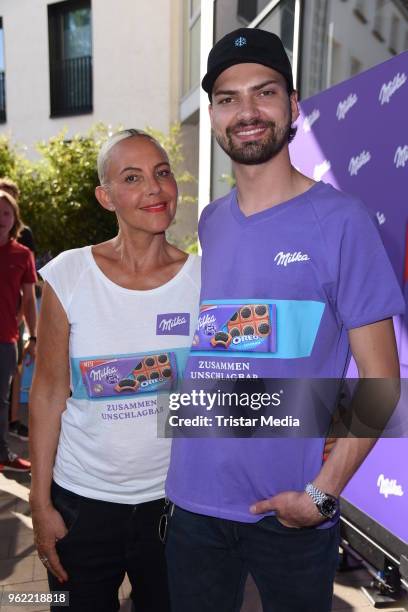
(49,392)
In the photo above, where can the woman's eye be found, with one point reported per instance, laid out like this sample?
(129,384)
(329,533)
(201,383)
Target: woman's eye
(132,178)
(164,173)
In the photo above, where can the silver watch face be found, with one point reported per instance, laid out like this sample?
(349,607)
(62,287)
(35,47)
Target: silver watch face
(328,507)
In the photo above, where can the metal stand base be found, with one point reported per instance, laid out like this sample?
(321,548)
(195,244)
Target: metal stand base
(378,599)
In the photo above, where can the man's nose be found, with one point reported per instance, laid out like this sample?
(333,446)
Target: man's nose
(248,109)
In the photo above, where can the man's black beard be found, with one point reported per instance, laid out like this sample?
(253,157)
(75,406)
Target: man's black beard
(255,151)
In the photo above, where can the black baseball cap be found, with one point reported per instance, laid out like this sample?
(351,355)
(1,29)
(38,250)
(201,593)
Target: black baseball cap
(247,45)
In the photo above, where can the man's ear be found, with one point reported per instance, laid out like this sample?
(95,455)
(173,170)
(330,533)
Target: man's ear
(294,105)
(210,112)
(103,196)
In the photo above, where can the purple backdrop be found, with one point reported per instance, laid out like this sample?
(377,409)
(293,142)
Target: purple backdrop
(355,137)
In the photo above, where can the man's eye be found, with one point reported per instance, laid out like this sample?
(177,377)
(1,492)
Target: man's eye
(268,92)
(225,100)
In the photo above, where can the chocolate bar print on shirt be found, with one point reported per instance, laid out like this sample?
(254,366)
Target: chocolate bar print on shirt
(243,327)
(128,375)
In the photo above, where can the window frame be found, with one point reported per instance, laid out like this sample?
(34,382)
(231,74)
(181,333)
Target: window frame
(56,13)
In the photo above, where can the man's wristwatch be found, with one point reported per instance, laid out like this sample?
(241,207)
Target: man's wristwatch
(327,505)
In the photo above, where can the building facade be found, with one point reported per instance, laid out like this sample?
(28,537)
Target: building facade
(72,63)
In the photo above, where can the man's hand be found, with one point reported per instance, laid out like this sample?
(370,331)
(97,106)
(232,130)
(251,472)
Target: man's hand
(49,527)
(29,352)
(292,509)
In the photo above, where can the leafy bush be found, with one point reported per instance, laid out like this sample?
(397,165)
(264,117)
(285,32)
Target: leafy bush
(58,190)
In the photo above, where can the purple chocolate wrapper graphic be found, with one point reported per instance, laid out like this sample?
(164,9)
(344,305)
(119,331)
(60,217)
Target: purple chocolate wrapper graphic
(236,327)
(115,377)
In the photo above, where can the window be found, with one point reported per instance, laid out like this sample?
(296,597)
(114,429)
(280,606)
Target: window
(70,48)
(395,27)
(378,29)
(355,66)
(2,77)
(192,25)
(360,10)
(247,10)
(281,21)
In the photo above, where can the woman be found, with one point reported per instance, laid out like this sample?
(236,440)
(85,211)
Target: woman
(115,327)
(17,281)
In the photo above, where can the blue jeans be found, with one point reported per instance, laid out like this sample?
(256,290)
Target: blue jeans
(209,560)
(105,540)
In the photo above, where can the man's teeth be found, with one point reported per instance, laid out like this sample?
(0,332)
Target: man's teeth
(250,132)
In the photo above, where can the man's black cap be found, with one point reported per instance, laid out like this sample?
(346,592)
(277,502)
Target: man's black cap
(247,45)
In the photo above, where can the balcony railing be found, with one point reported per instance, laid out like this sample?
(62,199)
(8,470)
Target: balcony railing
(2,97)
(71,86)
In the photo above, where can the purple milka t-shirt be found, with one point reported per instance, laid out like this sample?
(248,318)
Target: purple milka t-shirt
(284,285)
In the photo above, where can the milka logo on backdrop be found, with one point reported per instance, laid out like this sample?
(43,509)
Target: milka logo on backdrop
(389,89)
(283,259)
(310,120)
(321,169)
(381,218)
(401,156)
(356,163)
(173,323)
(388,487)
(344,107)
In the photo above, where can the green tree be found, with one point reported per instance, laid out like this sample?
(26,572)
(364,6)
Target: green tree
(58,190)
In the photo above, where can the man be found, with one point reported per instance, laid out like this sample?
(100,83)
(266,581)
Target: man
(17,280)
(25,237)
(310,261)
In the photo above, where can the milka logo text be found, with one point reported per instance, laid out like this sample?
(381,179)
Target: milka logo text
(388,487)
(344,107)
(173,323)
(321,169)
(168,324)
(283,259)
(401,156)
(356,163)
(206,320)
(310,120)
(103,373)
(389,89)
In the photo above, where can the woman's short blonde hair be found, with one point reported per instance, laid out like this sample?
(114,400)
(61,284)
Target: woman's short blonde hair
(17,225)
(105,150)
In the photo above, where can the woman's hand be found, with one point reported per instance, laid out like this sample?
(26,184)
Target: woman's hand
(49,527)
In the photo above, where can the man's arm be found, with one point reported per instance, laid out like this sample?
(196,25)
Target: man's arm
(375,352)
(30,316)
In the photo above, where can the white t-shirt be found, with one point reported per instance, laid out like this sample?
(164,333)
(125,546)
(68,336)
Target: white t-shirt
(125,345)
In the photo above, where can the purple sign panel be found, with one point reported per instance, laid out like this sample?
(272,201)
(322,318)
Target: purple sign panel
(353,137)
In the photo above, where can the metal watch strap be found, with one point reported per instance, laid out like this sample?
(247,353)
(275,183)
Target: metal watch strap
(316,494)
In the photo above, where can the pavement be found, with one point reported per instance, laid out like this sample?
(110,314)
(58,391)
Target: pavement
(21,570)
